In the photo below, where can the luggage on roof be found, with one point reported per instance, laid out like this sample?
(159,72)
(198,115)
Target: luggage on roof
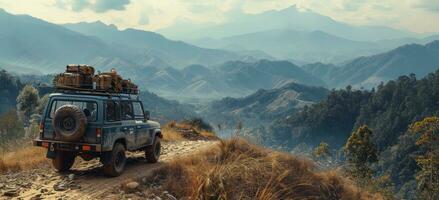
(82,77)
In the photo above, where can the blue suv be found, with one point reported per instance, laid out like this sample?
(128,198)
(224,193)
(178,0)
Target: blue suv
(97,125)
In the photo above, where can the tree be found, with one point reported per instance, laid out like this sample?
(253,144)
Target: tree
(428,177)
(360,152)
(27,101)
(322,151)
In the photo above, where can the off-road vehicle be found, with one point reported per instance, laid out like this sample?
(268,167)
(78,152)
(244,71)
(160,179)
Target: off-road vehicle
(93,124)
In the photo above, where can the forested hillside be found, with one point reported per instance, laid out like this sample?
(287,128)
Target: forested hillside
(388,110)
(264,105)
(9,88)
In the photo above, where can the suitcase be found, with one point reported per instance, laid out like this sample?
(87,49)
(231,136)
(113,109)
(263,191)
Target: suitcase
(68,80)
(108,81)
(129,87)
(80,69)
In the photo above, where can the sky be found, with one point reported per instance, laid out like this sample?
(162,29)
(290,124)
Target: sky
(420,16)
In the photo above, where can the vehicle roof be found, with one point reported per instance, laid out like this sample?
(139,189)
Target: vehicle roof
(97,96)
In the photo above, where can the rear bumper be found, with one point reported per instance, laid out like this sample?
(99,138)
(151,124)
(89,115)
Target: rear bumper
(67,146)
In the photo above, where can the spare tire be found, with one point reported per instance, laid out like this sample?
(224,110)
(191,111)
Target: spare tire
(69,123)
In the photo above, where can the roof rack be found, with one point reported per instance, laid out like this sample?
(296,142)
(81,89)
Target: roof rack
(72,90)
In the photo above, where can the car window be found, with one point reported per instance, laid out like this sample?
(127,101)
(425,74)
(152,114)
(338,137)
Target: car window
(112,111)
(126,110)
(88,107)
(138,110)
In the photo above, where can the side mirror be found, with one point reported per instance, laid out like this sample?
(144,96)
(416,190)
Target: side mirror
(147,115)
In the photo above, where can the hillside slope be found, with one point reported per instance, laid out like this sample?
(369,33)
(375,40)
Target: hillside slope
(264,105)
(234,78)
(370,71)
(188,169)
(177,54)
(388,110)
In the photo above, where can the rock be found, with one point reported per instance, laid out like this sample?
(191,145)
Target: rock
(71,177)
(36,197)
(11,193)
(44,190)
(60,187)
(170,197)
(132,185)
(75,186)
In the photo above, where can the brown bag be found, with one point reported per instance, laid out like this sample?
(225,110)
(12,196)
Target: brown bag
(80,69)
(129,87)
(68,80)
(108,81)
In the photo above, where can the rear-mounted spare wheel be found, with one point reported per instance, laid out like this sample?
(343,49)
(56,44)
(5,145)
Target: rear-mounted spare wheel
(69,123)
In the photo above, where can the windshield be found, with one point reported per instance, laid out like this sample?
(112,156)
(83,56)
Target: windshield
(88,107)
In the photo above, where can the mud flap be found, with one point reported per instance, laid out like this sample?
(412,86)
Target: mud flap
(51,153)
(105,157)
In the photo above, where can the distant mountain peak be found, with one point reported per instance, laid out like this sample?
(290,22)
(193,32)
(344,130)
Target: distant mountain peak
(433,44)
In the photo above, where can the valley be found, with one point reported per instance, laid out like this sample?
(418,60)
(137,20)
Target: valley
(284,89)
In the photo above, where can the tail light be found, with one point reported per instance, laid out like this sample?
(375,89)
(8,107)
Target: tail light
(98,132)
(41,127)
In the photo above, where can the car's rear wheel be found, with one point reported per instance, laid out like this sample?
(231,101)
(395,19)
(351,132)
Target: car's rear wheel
(117,162)
(63,161)
(152,152)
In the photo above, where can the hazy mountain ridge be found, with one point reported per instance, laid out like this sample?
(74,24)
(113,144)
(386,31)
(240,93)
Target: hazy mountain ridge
(239,23)
(372,70)
(177,53)
(234,78)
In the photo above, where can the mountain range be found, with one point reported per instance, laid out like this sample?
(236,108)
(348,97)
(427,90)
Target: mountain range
(31,45)
(370,71)
(264,105)
(237,23)
(234,78)
(294,33)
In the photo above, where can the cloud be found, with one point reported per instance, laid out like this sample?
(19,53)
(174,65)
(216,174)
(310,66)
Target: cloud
(99,6)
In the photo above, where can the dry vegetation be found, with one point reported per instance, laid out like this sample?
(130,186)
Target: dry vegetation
(236,169)
(22,156)
(177,131)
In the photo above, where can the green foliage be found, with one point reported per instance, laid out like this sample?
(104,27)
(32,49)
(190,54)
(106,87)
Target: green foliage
(9,88)
(42,102)
(27,100)
(428,176)
(383,185)
(11,127)
(360,153)
(322,151)
(388,110)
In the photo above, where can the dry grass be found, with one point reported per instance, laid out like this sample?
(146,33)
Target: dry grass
(174,131)
(22,158)
(236,169)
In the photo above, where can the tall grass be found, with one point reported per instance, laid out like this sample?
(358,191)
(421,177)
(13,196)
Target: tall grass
(21,156)
(172,131)
(235,169)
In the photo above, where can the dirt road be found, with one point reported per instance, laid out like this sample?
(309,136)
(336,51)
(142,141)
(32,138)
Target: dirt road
(85,180)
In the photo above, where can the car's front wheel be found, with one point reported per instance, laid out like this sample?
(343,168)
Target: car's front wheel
(63,161)
(117,161)
(152,152)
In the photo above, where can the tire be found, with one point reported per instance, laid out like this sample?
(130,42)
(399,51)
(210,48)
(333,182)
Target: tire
(117,161)
(69,123)
(152,153)
(63,161)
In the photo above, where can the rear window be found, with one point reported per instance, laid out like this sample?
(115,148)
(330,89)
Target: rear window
(88,107)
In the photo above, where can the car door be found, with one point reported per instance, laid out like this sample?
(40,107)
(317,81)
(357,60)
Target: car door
(128,126)
(142,129)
